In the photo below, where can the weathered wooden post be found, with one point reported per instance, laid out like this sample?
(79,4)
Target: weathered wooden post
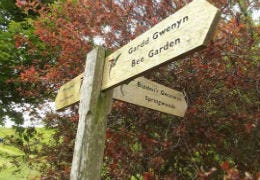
(94,107)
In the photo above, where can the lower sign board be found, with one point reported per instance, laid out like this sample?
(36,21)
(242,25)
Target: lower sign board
(146,93)
(141,92)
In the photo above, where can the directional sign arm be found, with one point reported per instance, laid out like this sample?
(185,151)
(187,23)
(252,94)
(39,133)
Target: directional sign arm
(182,33)
(69,93)
(141,92)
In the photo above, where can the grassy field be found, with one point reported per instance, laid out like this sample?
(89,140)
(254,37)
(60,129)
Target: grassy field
(12,163)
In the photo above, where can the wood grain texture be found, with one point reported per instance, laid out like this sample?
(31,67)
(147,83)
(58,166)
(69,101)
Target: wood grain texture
(94,107)
(182,33)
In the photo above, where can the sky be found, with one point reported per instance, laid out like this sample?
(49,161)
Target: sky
(256,16)
(47,107)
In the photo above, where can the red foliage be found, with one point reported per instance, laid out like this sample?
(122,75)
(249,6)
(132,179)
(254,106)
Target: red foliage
(225,166)
(147,176)
(30,75)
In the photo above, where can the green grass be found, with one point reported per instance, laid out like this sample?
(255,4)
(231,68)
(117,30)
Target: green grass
(12,162)
(13,166)
(6,131)
(11,151)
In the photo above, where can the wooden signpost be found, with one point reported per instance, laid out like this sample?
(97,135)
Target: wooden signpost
(182,33)
(93,110)
(141,92)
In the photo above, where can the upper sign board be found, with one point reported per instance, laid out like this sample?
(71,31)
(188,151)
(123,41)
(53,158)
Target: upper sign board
(184,32)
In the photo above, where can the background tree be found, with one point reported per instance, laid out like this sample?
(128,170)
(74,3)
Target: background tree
(219,134)
(9,11)
(20,47)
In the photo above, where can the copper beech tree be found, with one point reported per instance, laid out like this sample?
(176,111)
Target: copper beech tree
(219,135)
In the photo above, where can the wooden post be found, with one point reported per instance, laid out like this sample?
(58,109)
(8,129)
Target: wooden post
(94,107)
